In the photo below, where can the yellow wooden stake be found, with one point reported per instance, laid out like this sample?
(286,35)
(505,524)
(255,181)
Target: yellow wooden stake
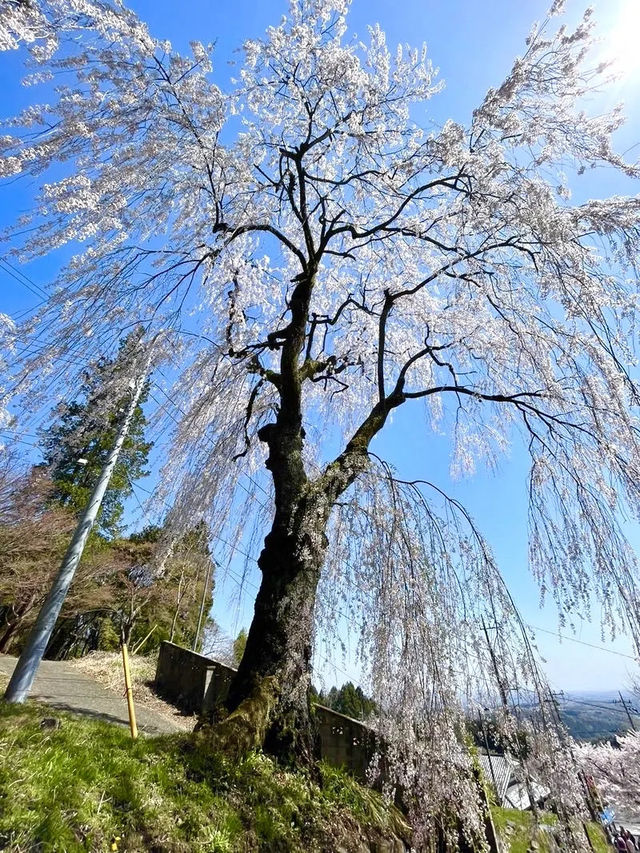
(127,682)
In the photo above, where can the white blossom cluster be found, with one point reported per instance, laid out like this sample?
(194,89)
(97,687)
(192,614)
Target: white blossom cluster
(615,771)
(444,267)
(22,22)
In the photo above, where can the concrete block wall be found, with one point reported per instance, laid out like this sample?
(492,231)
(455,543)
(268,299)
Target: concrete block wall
(345,742)
(196,683)
(182,677)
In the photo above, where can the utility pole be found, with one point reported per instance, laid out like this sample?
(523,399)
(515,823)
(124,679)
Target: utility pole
(486,745)
(624,705)
(496,668)
(29,661)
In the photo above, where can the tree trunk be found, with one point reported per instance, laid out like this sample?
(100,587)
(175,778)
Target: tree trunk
(269,696)
(279,644)
(13,624)
(7,637)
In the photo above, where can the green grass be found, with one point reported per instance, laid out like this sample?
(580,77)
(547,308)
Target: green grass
(516,829)
(598,838)
(79,786)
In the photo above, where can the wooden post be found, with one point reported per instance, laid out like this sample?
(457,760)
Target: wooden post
(142,642)
(127,682)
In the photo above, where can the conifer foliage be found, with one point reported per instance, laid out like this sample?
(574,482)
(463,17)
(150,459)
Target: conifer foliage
(78,443)
(349,700)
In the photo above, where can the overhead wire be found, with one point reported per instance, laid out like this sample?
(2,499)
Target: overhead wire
(18,440)
(248,476)
(31,346)
(183,413)
(583,642)
(8,268)
(22,278)
(571,699)
(27,283)
(14,437)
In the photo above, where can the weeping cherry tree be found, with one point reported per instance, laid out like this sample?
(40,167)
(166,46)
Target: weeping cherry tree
(317,253)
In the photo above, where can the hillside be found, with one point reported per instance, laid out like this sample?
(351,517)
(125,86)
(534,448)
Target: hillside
(73,784)
(595,715)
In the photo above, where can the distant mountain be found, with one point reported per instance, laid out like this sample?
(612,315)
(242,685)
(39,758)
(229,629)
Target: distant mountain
(597,715)
(589,715)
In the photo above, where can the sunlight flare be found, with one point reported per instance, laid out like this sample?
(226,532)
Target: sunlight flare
(622,41)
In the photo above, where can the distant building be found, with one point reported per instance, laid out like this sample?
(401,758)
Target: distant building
(505,775)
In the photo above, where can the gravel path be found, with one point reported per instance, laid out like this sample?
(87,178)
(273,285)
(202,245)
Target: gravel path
(64,687)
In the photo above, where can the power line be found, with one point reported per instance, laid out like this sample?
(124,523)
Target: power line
(568,699)
(30,346)
(176,421)
(183,413)
(31,289)
(21,432)
(23,278)
(23,283)
(145,514)
(81,365)
(214,535)
(584,643)
(19,440)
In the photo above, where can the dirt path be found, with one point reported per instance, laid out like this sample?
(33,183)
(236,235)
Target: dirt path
(61,685)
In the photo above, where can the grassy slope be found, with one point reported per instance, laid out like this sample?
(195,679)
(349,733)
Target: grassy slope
(78,786)
(516,829)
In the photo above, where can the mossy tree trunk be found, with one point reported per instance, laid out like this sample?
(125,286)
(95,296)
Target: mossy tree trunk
(280,637)
(274,676)
(279,643)
(279,640)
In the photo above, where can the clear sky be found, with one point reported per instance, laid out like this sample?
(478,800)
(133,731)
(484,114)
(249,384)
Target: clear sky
(473,43)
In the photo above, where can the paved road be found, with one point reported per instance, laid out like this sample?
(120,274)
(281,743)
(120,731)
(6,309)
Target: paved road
(629,822)
(63,687)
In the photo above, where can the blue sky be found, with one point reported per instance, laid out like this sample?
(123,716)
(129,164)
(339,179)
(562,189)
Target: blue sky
(473,43)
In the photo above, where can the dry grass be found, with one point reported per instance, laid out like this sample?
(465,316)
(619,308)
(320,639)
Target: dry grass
(106,669)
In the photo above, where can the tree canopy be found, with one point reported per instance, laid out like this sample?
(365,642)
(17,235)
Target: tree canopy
(614,772)
(239,645)
(309,254)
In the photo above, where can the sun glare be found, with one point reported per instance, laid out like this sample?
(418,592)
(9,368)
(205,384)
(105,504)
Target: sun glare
(623,40)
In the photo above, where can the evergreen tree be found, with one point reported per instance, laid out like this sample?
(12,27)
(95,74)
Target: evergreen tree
(239,645)
(77,445)
(350,701)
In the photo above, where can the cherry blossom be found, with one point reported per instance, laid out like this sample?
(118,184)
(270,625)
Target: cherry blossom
(309,254)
